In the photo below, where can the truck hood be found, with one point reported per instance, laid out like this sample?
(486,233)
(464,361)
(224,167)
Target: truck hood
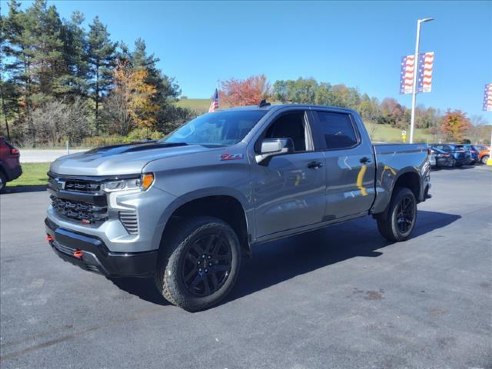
(120,159)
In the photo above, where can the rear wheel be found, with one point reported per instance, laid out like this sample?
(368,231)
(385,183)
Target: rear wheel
(200,264)
(484,159)
(397,222)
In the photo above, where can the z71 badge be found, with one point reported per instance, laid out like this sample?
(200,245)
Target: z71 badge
(224,157)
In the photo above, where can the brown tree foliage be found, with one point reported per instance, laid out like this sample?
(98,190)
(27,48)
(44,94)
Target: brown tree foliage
(130,103)
(454,125)
(250,91)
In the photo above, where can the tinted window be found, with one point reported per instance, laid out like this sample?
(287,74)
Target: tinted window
(218,128)
(289,126)
(337,130)
(445,148)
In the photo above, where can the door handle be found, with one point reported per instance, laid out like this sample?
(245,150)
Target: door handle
(315,165)
(365,160)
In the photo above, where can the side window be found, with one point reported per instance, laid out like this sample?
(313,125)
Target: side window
(293,126)
(337,130)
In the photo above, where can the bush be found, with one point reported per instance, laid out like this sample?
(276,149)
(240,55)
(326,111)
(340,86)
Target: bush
(98,141)
(139,134)
(144,134)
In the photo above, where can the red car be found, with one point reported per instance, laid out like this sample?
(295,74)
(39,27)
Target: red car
(10,167)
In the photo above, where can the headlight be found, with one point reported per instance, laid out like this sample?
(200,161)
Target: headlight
(143,183)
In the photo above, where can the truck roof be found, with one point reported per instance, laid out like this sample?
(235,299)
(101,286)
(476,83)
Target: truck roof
(274,107)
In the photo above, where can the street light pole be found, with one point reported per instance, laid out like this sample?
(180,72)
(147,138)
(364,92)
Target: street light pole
(415,71)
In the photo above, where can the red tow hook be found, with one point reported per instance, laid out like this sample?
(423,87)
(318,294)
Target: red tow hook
(49,238)
(78,254)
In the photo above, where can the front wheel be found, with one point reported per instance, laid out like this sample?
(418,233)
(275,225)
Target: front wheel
(200,264)
(396,223)
(484,159)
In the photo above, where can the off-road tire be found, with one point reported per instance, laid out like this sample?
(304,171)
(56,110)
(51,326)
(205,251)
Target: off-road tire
(484,159)
(393,223)
(180,245)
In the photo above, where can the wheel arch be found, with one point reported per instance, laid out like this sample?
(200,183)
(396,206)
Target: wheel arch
(223,205)
(411,180)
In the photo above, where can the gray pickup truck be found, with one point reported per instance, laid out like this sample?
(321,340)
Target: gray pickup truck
(185,210)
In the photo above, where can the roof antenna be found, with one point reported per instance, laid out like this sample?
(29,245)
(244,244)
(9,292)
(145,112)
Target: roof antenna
(264,103)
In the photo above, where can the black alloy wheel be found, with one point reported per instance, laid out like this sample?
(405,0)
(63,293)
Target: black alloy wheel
(207,264)
(397,222)
(405,214)
(199,262)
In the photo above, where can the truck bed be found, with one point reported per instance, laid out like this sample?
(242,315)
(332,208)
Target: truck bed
(393,160)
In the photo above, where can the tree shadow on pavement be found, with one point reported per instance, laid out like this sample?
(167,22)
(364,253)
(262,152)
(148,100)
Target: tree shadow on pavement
(278,261)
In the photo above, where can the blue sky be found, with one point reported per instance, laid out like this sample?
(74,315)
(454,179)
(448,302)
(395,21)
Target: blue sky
(359,44)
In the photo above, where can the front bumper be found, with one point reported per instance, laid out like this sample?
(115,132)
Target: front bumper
(90,253)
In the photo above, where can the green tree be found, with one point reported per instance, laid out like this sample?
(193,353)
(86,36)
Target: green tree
(42,36)
(75,51)
(101,58)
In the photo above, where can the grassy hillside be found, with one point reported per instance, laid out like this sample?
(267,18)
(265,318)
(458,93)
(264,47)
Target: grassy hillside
(378,132)
(197,105)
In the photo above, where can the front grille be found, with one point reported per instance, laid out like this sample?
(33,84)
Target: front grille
(82,186)
(79,210)
(129,221)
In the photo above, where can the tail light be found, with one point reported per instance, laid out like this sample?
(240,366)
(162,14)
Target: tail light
(14,151)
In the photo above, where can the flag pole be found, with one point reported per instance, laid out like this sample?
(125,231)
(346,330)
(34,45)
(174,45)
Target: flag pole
(415,71)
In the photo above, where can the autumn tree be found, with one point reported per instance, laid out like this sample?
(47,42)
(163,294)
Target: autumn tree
(130,103)
(393,113)
(454,125)
(249,91)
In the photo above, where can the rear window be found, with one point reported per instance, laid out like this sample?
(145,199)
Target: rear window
(337,130)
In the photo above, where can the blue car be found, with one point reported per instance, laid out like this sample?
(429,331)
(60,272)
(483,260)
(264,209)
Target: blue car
(440,158)
(473,152)
(459,155)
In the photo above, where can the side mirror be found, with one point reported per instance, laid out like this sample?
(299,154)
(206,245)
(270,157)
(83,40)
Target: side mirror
(274,146)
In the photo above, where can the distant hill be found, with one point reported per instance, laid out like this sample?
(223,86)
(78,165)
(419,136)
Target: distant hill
(197,105)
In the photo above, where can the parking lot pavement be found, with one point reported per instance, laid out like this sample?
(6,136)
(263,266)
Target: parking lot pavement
(337,298)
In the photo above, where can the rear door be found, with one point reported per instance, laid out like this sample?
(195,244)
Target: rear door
(350,167)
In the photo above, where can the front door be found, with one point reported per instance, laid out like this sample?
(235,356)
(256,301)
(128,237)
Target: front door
(289,189)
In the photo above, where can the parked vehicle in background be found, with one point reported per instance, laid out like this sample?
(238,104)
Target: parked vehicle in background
(484,154)
(473,153)
(468,154)
(439,158)
(10,167)
(460,156)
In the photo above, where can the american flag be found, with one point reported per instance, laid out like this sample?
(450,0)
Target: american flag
(214,105)
(487,97)
(424,73)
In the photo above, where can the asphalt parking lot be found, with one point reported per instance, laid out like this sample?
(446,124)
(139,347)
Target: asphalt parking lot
(342,297)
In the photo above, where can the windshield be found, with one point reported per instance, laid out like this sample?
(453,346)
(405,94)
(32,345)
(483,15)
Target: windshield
(221,128)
